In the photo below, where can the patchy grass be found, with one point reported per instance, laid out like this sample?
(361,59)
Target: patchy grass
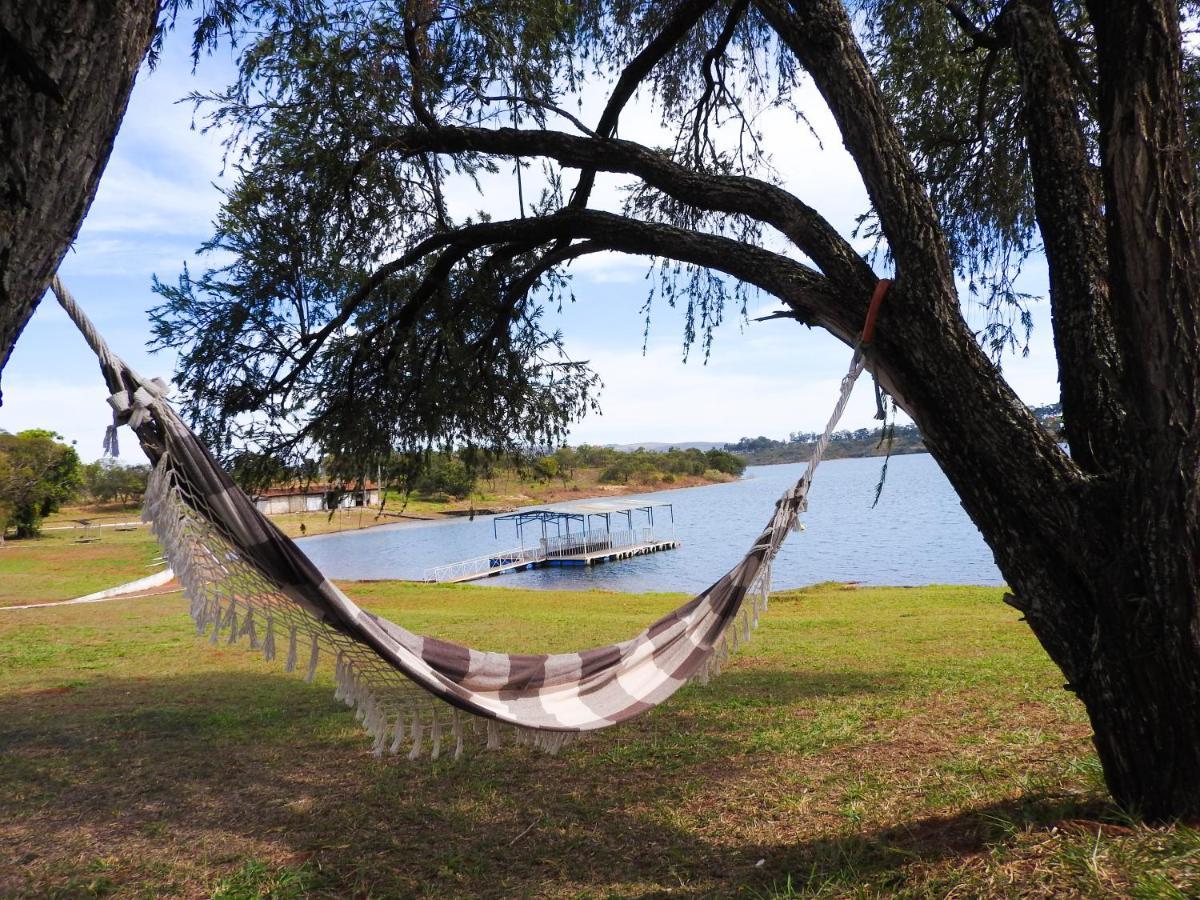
(911,742)
(57,566)
(62,563)
(110,512)
(329,521)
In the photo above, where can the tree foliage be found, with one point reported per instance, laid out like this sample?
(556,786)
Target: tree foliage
(446,475)
(648,466)
(108,479)
(349,315)
(38,473)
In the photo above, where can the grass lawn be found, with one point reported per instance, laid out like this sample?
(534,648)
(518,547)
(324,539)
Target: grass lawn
(57,566)
(289,523)
(868,742)
(110,512)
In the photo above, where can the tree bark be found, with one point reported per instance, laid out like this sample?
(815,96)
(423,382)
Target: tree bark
(66,70)
(1143,690)
(1068,204)
(737,194)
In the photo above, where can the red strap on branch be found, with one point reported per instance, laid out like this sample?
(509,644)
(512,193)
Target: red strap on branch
(881,289)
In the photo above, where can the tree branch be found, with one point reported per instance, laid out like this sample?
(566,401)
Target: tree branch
(924,353)
(822,38)
(734,194)
(537,104)
(712,60)
(1150,206)
(562,251)
(806,291)
(1067,202)
(676,28)
(682,20)
(980,37)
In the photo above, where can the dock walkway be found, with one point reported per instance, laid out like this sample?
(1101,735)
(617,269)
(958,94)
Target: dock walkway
(550,553)
(586,546)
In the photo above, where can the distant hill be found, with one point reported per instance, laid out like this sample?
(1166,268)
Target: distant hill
(662,446)
(764,451)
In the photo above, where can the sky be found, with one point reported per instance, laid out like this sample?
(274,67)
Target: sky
(160,193)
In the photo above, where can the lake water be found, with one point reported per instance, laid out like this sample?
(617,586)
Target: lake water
(918,534)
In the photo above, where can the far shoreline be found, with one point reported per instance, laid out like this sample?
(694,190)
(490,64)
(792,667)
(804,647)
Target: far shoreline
(462,509)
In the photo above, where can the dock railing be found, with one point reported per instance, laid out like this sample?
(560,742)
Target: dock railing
(480,565)
(596,542)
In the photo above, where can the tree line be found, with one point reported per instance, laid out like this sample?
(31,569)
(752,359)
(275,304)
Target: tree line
(458,473)
(643,466)
(765,451)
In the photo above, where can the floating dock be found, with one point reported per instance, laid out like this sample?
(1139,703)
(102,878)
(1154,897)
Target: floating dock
(587,546)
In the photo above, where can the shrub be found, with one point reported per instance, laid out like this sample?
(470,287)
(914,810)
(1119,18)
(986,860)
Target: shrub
(618,473)
(446,475)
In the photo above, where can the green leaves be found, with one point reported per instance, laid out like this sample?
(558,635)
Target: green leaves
(37,475)
(440,353)
(956,99)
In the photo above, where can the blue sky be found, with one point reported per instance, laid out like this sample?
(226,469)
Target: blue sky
(159,195)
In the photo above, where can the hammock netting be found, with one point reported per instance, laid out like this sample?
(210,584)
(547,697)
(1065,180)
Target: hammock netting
(246,582)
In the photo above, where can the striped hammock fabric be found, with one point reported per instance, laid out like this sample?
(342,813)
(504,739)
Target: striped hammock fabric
(246,581)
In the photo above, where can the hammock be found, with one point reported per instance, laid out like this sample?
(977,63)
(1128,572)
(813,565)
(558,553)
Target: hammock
(244,578)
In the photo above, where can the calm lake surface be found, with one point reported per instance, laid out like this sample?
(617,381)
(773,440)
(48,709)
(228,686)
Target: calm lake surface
(918,534)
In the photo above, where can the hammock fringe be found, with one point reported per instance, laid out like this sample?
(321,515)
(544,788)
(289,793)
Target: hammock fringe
(218,614)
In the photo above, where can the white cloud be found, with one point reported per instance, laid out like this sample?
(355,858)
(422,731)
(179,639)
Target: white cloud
(611,268)
(133,198)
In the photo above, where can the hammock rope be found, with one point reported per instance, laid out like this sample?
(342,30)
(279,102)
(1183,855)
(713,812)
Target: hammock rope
(245,579)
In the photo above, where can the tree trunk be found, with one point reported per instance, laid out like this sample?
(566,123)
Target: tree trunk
(1141,695)
(1103,568)
(1102,550)
(66,70)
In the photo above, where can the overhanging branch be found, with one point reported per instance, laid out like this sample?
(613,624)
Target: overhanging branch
(811,296)
(676,28)
(820,34)
(734,194)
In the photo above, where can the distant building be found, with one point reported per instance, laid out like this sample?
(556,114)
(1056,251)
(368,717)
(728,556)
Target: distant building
(315,498)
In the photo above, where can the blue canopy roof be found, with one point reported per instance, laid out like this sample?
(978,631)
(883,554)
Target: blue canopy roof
(563,517)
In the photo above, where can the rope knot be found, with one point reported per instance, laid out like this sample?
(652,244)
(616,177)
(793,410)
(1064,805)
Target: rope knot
(133,409)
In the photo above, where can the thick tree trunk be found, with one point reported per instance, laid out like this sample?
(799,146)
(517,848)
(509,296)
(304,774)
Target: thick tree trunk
(66,70)
(1102,567)
(1130,636)
(1102,551)
(1142,697)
